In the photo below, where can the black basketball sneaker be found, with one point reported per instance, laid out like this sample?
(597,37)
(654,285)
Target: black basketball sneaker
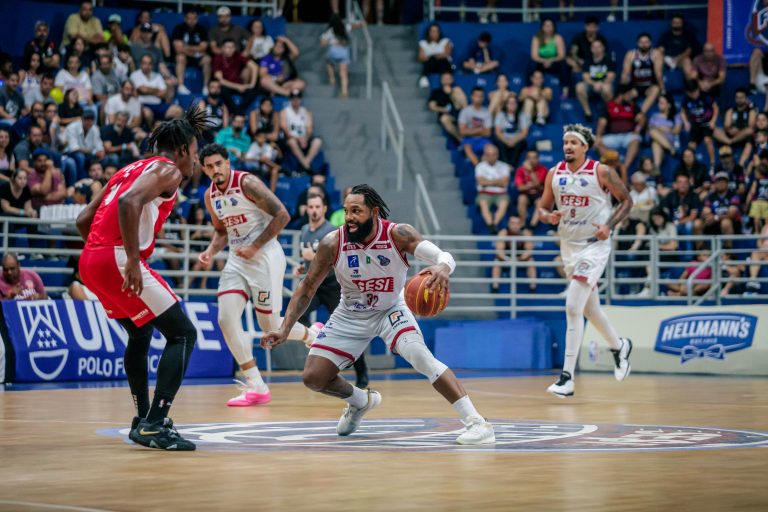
(160,435)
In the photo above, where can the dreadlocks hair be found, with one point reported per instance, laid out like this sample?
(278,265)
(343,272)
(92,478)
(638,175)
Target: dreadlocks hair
(582,130)
(173,134)
(372,199)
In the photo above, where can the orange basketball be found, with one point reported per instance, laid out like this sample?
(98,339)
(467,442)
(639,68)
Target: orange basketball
(421,300)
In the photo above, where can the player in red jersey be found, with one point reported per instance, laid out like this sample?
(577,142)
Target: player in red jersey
(119,227)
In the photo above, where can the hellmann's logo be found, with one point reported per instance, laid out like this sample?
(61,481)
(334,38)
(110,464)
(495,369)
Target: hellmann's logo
(705,335)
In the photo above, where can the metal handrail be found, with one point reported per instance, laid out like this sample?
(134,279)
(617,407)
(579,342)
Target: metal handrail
(424,205)
(689,282)
(355,14)
(625,8)
(243,4)
(392,129)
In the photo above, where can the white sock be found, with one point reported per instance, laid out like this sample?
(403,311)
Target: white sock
(596,316)
(575,301)
(255,380)
(465,408)
(358,398)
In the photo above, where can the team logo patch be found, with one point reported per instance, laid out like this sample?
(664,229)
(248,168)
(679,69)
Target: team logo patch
(368,260)
(583,182)
(563,181)
(383,261)
(44,335)
(705,335)
(263,297)
(439,435)
(757,30)
(353,261)
(217,204)
(395,317)
(583,267)
(233,201)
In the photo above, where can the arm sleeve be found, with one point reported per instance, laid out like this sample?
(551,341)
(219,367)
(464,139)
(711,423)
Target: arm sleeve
(430,253)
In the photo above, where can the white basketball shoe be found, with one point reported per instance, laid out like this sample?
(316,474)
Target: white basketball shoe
(477,431)
(621,358)
(564,386)
(351,417)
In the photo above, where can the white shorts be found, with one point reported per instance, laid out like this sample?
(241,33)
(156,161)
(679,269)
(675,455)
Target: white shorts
(347,334)
(260,278)
(585,261)
(618,141)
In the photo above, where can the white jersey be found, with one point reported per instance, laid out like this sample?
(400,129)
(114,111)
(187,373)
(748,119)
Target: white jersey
(372,277)
(582,199)
(244,221)
(297,121)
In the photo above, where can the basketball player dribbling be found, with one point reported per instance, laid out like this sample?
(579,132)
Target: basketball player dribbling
(249,217)
(119,227)
(582,190)
(369,257)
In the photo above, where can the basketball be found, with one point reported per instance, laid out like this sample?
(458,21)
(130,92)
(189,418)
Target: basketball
(421,300)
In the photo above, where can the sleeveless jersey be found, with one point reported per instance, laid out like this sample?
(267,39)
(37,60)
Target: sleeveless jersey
(241,217)
(642,70)
(740,118)
(105,228)
(582,199)
(297,121)
(372,277)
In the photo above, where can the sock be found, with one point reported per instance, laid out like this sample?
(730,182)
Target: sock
(466,408)
(135,361)
(358,398)
(254,378)
(159,409)
(575,301)
(596,316)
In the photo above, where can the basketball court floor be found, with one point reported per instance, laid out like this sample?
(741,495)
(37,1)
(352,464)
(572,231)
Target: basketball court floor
(650,443)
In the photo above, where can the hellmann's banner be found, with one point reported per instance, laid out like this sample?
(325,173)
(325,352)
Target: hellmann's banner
(730,340)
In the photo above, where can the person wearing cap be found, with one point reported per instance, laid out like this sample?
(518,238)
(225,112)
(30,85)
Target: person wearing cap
(737,178)
(45,181)
(82,141)
(721,214)
(619,127)
(277,74)
(158,36)
(44,46)
(237,75)
(225,30)
(144,46)
(297,124)
(190,45)
(83,24)
(114,34)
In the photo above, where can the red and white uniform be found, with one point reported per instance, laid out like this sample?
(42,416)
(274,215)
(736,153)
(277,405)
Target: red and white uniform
(102,263)
(260,277)
(583,201)
(372,278)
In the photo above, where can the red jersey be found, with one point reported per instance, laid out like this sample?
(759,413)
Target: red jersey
(105,228)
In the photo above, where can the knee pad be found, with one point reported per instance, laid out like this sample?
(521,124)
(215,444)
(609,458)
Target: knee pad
(268,322)
(412,348)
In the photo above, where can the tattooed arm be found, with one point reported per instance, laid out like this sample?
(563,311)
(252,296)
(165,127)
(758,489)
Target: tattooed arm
(302,295)
(410,241)
(257,192)
(616,187)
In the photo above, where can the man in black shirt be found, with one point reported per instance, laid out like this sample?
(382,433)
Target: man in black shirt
(683,204)
(581,44)
(44,47)
(447,101)
(119,142)
(679,45)
(190,43)
(598,77)
(11,102)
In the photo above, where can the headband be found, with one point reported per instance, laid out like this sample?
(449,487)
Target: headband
(577,135)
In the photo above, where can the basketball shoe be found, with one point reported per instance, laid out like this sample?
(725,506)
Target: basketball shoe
(564,386)
(249,395)
(160,435)
(477,431)
(351,417)
(621,357)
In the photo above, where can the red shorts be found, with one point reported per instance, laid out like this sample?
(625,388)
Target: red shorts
(101,270)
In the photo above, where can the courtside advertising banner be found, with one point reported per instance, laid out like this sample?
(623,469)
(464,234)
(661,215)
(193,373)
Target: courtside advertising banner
(730,340)
(66,340)
(737,26)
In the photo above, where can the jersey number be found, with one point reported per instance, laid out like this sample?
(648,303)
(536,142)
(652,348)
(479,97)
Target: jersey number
(372,300)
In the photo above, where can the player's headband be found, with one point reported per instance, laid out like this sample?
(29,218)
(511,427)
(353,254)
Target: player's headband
(577,135)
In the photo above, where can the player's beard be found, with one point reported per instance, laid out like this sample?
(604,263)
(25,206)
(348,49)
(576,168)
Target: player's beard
(362,232)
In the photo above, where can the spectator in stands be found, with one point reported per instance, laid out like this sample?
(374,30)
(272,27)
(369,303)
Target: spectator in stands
(300,217)
(629,242)
(732,272)
(79,48)
(434,54)
(665,232)
(83,24)
(82,142)
(190,44)
(215,108)
(336,38)
(20,284)
(15,197)
(535,98)
(447,101)
(497,98)
(757,198)
(721,211)
(235,138)
(700,180)
(262,159)
(511,128)
(104,80)
(93,183)
(757,259)
(736,175)
(259,42)
(114,35)
(642,70)
(548,54)
(701,282)
(523,252)
(7,161)
(678,45)
(298,127)
(30,78)
(619,128)
(488,14)
(581,44)
(644,197)
(683,204)
(157,34)
(109,170)
(492,178)
(70,109)
(277,73)
(122,62)
(45,182)
(529,181)
(144,46)
(11,102)
(75,77)
(125,101)
(475,125)
(709,70)
(739,124)
(43,46)
(224,30)
(699,115)
(759,142)
(652,175)
(35,116)
(482,57)
(154,95)
(664,128)
(237,76)
(41,93)
(22,152)
(265,118)
(119,143)
(597,79)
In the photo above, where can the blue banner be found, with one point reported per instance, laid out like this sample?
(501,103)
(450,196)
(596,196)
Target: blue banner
(65,340)
(745,25)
